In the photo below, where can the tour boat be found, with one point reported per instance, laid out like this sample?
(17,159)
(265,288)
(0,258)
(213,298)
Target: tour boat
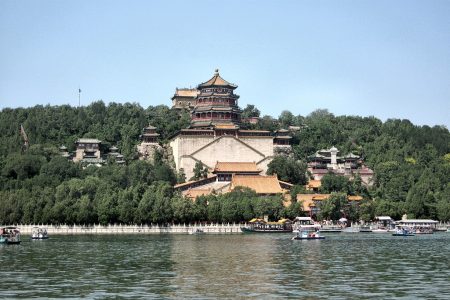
(331,229)
(304,224)
(365,229)
(196,231)
(262,226)
(305,235)
(403,231)
(380,230)
(10,235)
(39,233)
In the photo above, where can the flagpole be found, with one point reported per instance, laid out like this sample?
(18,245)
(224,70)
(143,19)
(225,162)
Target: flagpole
(79,97)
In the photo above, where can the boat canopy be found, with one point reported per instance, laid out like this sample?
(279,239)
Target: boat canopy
(257,220)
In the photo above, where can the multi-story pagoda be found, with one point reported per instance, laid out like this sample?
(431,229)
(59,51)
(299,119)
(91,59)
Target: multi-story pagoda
(149,143)
(116,156)
(215,135)
(216,104)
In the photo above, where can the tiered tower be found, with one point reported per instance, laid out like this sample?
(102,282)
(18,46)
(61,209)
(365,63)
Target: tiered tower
(149,143)
(216,104)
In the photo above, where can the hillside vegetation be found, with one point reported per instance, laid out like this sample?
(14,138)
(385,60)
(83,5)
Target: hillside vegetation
(411,165)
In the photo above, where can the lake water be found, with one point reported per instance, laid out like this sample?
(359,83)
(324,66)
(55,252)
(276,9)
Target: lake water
(343,266)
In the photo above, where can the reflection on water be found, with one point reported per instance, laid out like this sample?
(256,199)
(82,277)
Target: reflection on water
(227,266)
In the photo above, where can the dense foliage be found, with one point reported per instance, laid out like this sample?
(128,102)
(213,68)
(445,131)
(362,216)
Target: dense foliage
(411,165)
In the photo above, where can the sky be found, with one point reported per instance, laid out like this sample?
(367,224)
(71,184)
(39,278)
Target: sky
(388,59)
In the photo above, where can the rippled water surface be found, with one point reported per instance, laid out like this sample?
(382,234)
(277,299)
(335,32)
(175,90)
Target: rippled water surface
(343,266)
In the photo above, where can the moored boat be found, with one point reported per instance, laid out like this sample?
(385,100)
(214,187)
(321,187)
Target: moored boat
(304,224)
(365,229)
(262,226)
(39,233)
(403,231)
(307,235)
(331,229)
(10,235)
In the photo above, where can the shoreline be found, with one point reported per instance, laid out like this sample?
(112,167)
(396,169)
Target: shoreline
(133,229)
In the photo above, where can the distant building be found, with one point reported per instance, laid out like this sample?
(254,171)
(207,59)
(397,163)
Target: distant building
(149,143)
(64,152)
(88,152)
(215,135)
(311,202)
(184,98)
(229,175)
(116,156)
(330,160)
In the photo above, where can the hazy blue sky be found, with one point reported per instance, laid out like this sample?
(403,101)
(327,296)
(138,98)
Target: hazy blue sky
(389,59)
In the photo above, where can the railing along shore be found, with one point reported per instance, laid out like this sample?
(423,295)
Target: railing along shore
(218,228)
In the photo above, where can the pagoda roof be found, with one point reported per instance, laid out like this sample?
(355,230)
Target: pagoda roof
(184,92)
(113,148)
(194,193)
(314,184)
(216,80)
(236,167)
(88,141)
(150,127)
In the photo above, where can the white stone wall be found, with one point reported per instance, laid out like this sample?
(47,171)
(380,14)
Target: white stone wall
(187,150)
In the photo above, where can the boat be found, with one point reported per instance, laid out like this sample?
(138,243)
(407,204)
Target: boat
(385,224)
(423,230)
(403,231)
(196,231)
(10,235)
(331,229)
(261,226)
(365,229)
(307,235)
(304,224)
(39,233)
(380,230)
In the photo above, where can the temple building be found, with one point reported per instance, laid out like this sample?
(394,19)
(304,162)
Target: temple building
(330,160)
(88,152)
(64,152)
(311,202)
(149,143)
(116,156)
(215,135)
(184,98)
(229,175)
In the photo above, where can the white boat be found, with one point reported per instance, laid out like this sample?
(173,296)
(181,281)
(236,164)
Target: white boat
(10,235)
(403,231)
(331,229)
(196,231)
(39,233)
(380,230)
(304,224)
(308,235)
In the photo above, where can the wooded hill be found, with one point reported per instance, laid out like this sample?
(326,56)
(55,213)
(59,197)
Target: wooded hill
(411,165)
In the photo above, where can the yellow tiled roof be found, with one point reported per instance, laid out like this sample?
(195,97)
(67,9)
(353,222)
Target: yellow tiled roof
(216,80)
(314,184)
(354,198)
(186,93)
(261,184)
(194,193)
(226,126)
(236,167)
